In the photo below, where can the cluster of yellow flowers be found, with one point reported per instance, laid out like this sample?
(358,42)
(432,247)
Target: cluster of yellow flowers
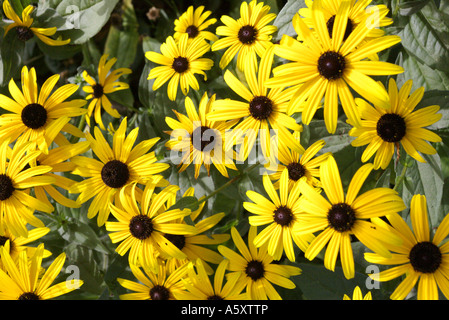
(334,53)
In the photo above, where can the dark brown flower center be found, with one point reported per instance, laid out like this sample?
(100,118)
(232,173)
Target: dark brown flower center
(192,31)
(115,174)
(296,171)
(29,296)
(247,34)
(24,33)
(141,227)
(331,65)
(159,293)
(255,270)
(330,27)
(180,64)
(283,216)
(260,107)
(341,217)
(215,297)
(34,116)
(177,239)
(98,90)
(6,187)
(391,127)
(425,257)
(203,138)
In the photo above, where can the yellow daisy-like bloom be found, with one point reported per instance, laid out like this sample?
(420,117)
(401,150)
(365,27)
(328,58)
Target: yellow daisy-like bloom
(194,22)
(154,286)
(421,258)
(299,164)
(16,204)
(248,37)
(197,245)
(280,213)
(141,230)
(257,272)
(202,140)
(383,129)
(263,109)
(199,287)
(340,216)
(24,28)
(39,117)
(180,61)
(325,67)
(98,90)
(16,245)
(357,295)
(116,168)
(23,281)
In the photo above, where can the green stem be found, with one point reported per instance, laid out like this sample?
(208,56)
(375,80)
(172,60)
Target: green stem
(227,184)
(401,178)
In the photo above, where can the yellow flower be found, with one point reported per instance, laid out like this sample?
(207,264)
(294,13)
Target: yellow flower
(202,140)
(116,168)
(24,28)
(248,37)
(324,67)
(340,216)
(194,22)
(22,281)
(421,258)
(357,295)
(39,117)
(384,128)
(98,90)
(18,244)
(180,62)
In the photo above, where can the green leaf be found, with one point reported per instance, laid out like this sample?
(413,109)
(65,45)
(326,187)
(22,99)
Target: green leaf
(11,53)
(410,7)
(283,20)
(186,203)
(84,235)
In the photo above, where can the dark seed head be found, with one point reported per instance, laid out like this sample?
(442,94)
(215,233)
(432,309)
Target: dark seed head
(177,239)
(215,297)
(192,31)
(391,127)
(283,216)
(6,187)
(330,27)
(296,171)
(425,257)
(180,64)
(115,174)
(247,34)
(98,90)
(28,296)
(331,65)
(141,227)
(159,293)
(260,107)
(34,116)
(203,138)
(341,217)
(24,33)
(255,270)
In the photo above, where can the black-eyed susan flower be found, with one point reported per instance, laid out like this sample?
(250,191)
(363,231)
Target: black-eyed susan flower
(199,244)
(299,164)
(383,129)
(329,67)
(17,206)
(39,117)
(340,216)
(25,30)
(199,287)
(247,37)
(116,168)
(15,245)
(23,281)
(194,22)
(153,286)
(180,61)
(141,229)
(200,141)
(263,110)
(358,295)
(280,214)
(97,90)
(422,258)
(257,272)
